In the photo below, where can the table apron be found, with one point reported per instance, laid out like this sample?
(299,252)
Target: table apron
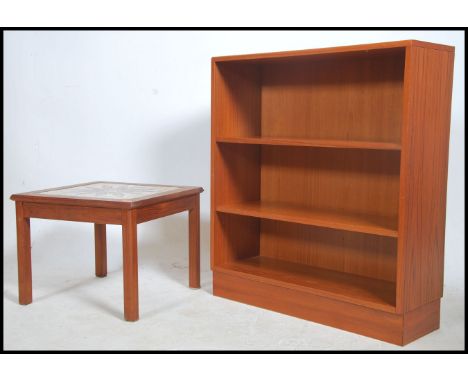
(73,213)
(160,210)
(102,215)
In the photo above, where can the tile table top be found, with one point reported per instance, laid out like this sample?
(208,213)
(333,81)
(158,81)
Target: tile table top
(108,194)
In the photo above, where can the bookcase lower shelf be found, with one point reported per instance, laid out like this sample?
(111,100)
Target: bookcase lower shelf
(365,291)
(395,328)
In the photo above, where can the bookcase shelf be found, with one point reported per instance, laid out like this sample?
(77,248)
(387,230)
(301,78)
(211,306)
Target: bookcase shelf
(337,285)
(328,186)
(311,143)
(376,225)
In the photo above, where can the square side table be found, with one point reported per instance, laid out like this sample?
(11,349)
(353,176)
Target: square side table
(101,203)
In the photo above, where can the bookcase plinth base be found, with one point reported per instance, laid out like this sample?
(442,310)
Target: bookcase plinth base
(399,329)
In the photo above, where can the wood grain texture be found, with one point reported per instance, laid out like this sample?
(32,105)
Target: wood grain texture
(73,213)
(344,144)
(339,50)
(238,238)
(194,244)
(337,285)
(236,99)
(365,255)
(23,237)
(100,250)
(420,321)
(399,329)
(236,178)
(130,265)
(235,108)
(339,314)
(354,182)
(289,212)
(424,168)
(162,209)
(238,174)
(356,99)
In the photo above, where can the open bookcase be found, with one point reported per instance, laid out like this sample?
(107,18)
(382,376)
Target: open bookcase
(329,172)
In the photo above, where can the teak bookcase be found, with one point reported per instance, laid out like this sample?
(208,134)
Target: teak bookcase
(329,173)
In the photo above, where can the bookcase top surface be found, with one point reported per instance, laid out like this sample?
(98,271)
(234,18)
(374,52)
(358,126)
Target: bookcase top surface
(334,50)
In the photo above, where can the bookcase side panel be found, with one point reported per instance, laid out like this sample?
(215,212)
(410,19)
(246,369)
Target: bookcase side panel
(423,184)
(236,179)
(235,170)
(236,99)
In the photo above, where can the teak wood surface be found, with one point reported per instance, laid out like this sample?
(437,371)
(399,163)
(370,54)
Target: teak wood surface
(126,212)
(328,184)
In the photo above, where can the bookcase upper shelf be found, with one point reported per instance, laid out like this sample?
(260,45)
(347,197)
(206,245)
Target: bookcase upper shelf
(333,143)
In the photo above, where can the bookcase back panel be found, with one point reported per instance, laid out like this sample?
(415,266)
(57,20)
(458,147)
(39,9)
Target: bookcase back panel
(345,98)
(352,181)
(361,254)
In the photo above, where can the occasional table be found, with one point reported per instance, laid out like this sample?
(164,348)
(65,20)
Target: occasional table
(101,203)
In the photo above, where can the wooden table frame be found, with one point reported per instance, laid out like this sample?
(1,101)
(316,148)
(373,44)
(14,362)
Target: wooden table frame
(128,213)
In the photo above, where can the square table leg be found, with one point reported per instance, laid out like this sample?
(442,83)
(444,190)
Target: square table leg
(130,264)
(100,246)
(23,237)
(194,244)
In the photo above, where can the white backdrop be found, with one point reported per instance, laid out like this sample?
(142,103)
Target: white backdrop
(135,106)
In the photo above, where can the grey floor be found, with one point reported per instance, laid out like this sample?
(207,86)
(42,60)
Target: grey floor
(73,310)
